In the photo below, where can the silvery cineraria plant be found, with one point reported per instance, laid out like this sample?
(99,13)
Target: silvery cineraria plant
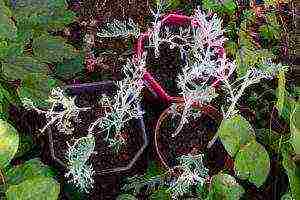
(122,107)
(119,29)
(206,65)
(193,173)
(61,113)
(79,171)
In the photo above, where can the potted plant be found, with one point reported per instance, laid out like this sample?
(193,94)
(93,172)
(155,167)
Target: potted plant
(205,68)
(110,134)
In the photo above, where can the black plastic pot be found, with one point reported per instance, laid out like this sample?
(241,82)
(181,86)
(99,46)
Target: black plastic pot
(137,142)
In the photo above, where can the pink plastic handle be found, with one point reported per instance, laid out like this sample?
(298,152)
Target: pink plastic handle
(139,49)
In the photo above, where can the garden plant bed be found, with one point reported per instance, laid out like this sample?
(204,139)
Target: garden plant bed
(156,99)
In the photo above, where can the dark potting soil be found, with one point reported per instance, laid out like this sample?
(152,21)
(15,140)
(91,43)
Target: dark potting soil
(165,68)
(105,158)
(194,136)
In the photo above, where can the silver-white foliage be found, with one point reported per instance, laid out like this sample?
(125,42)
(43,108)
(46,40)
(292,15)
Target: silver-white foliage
(193,173)
(61,113)
(122,107)
(203,65)
(266,70)
(119,29)
(79,171)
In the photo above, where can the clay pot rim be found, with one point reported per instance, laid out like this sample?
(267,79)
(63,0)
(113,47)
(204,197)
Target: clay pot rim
(179,101)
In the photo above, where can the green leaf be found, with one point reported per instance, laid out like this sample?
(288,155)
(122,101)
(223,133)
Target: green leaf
(286,196)
(9,48)
(271,138)
(26,144)
(229,6)
(248,55)
(20,67)
(7,26)
(126,197)
(52,49)
(280,91)
(274,2)
(36,188)
(160,194)
(293,171)
(27,171)
(295,128)
(225,187)
(36,16)
(225,7)
(35,87)
(231,48)
(234,133)
(252,162)
(9,142)
(69,68)
(7,96)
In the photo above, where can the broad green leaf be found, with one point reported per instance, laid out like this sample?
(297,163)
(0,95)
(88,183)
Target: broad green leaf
(234,133)
(70,68)
(295,128)
(7,26)
(252,163)
(9,48)
(27,171)
(126,197)
(36,188)
(36,15)
(52,49)
(293,171)
(7,96)
(35,87)
(20,67)
(26,144)
(269,32)
(287,196)
(9,142)
(225,187)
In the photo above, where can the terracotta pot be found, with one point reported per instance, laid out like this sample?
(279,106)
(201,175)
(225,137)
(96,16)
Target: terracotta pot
(104,161)
(194,142)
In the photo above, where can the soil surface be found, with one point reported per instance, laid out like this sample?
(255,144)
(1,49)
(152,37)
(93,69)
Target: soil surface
(193,137)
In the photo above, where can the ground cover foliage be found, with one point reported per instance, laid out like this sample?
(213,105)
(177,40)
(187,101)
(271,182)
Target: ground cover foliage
(232,76)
